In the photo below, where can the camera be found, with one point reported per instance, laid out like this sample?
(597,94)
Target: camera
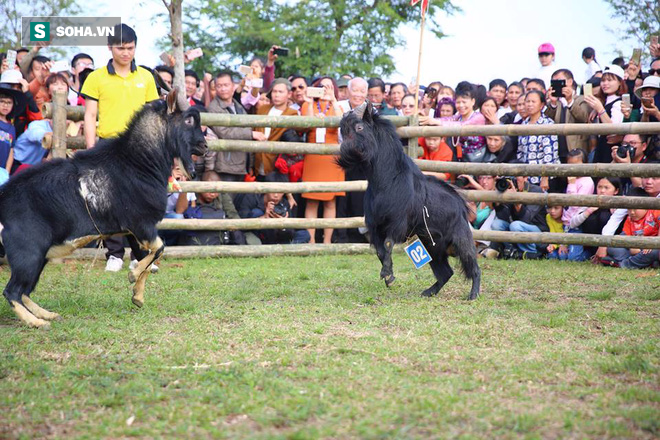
(502,183)
(225,237)
(280,209)
(625,149)
(461,182)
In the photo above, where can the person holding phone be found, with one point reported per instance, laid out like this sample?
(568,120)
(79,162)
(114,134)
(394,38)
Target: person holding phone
(318,167)
(564,106)
(649,94)
(606,108)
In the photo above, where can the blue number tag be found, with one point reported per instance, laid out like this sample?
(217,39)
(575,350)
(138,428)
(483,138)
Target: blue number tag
(418,253)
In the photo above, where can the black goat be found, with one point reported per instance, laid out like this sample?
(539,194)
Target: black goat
(399,197)
(119,186)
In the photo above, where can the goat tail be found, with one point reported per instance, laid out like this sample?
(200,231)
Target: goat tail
(466,252)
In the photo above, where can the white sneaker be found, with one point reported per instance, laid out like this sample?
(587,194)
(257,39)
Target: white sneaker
(134,263)
(114,264)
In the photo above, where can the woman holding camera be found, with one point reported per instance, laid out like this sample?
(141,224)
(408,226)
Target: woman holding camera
(541,149)
(319,167)
(606,105)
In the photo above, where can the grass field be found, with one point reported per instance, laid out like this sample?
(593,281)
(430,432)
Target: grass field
(317,347)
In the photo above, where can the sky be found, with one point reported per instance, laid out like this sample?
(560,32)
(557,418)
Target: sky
(488,39)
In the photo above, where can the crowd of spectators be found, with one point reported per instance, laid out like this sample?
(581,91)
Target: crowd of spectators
(617,92)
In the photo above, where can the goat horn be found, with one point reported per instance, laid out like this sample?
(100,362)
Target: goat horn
(360,109)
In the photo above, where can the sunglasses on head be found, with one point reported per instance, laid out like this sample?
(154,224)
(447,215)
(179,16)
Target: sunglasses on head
(431,92)
(545,54)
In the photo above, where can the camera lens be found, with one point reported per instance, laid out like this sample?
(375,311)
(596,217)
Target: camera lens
(461,182)
(502,184)
(624,149)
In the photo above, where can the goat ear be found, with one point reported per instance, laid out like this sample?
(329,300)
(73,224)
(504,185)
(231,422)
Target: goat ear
(360,109)
(171,101)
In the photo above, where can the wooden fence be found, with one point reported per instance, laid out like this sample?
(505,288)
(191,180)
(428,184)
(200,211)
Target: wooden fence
(407,128)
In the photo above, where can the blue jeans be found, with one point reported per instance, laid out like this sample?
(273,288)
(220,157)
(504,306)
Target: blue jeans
(637,261)
(516,226)
(576,252)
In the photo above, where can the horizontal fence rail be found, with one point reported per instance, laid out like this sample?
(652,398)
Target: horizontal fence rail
(355,222)
(76,113)
(549,199)
(493,169)
(531,130)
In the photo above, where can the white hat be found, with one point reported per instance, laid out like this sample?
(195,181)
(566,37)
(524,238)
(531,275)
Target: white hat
(11,76)
(650,82)
(614,70)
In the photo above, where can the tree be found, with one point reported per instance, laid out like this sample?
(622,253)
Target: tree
(11,12)
(324,36)
(176,36)
(641,18)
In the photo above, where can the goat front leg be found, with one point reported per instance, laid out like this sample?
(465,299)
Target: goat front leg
(384,246)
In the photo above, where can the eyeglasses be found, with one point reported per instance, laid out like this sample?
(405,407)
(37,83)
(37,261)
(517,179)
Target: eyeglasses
(6,102)
(300,87)
(654,72)
(407,105)
(545,54)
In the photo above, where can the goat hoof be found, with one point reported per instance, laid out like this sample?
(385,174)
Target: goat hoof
(389,280)
(131,277)
(139,303)
(428,293)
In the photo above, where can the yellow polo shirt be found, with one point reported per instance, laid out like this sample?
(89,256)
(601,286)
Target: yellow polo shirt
(119,98)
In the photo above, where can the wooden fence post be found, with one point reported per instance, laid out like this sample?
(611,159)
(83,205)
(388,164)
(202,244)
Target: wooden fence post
(59,124)
(413,121)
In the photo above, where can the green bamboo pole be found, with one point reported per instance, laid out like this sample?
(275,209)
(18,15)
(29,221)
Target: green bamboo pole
(524,130)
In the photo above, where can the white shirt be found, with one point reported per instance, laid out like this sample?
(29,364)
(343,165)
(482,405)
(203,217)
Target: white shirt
(545,73)
(592,68)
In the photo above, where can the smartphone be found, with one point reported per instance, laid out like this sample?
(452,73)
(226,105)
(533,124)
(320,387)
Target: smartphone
(588,89)
(11,58)
(647,102)
(282,51)
(245,70)
(557,85)
(60,66)
(654,39)
(637,56)
(625,99)
(195,53)
(315,92)
(165,58)
(256,83)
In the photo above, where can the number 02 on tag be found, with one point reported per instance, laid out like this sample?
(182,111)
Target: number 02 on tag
(418,253)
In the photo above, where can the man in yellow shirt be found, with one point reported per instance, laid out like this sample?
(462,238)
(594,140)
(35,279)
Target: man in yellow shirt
(115,93)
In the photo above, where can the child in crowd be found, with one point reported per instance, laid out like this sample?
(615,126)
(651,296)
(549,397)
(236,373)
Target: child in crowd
(435,148)
(639,223)
(177,204)
(576,185)
(7,130)
(555,224)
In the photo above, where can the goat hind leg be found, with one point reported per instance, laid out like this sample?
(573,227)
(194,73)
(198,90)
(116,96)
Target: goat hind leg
(443,272)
